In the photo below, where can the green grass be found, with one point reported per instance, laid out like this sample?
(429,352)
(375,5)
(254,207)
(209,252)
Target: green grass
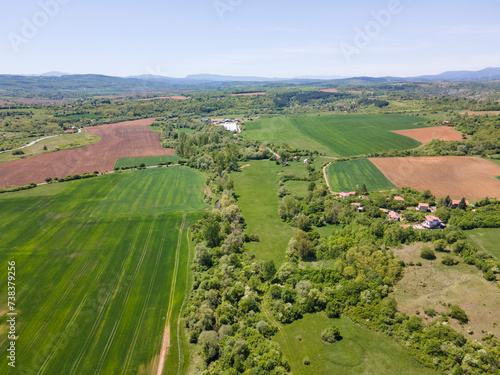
(486,240)
(352,174)
(256,187)
(156,128)
(93,293)
(149,161)
(298,187)
(158,190)
(185,130)
(343,135)
(359,352)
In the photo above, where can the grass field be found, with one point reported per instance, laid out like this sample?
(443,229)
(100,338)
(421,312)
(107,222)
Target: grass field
(62,142)
(352,174)
(359,352)
(345,135)
(435,285)
(256,187)
(94,294)
(149,161)
(486,240)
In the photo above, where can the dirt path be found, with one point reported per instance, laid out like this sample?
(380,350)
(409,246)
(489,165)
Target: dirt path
(165,348)
(274,153)
(32,143)
(326,178)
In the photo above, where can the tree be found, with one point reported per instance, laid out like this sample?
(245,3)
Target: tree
(304,223)
(462,205)
(211,232)
(288,208)
(440,245)
(458,314)
(48,180)
(269,269)
(209,342)
(427,253)
(44,148)
(331,334)
(303,244)
(364,189)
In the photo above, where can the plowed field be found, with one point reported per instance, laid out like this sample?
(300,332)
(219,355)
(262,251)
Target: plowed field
(123,140)
(425,135)
(456,176)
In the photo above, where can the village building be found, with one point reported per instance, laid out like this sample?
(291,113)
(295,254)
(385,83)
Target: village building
(432,222)
(456,202)
(347,195)
(358,206)
(399,199)
(394,216)
(423,207)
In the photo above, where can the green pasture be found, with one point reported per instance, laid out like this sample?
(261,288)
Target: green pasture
(257,187)
(94,293)
(351,175)
(149,161)
(486,239)
(340,135)
(360,351)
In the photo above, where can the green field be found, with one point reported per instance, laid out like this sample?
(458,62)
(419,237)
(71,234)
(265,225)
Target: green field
(486,240)
(351,175)
(94,293)
(149,161)
(256,187)
(361,351)
(341,135)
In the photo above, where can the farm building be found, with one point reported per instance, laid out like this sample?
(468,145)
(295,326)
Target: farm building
(432,222)
(399,199)
(358,206)
(394,216)
(347,195)
(384,210)
(456,202)
(423,207)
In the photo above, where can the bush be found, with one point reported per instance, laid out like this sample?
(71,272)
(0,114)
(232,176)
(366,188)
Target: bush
(427,253)
(490,276)
(18,152)
(440,245)
(430,312)
(331,334)
(458,314)
(449,261)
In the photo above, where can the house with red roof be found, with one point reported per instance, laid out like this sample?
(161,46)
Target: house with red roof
(347,195)
(423,207)
(394,216)
(456,202)
(432,222)
(399,199)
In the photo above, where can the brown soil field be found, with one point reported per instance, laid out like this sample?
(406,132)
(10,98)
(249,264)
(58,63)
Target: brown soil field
(434,284)
(167,97)
(456,176)
(41,101)
(4,102)
(329,90)
(425,135)
(123,140)
(250,94)
(471,113)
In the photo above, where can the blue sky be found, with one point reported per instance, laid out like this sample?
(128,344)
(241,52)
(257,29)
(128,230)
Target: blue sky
(271,38)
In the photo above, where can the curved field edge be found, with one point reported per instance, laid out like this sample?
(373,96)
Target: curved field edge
(360,351)
(338,135)
(89,284)
(351,175)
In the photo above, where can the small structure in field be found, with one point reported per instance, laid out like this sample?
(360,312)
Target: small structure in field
(399,199)
(394,216)
(423,207)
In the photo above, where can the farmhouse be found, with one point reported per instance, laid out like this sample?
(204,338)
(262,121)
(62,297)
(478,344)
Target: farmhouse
(432,222)
(423,207)
(394,216)
(399,199)
(347,195)
(358,206)
(456,202)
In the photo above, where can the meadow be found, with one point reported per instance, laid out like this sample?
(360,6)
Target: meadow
(256,187)
(95,293)
(360,351)
(485,239)
(341,135)
(351,175)
(148,161)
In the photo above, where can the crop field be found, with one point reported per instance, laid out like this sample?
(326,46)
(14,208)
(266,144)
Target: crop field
(351,175)
(425,135)
(486,239)
(456,176)
(95,294)
(256,187)
(149,161)
(122,140)
(361,351)
(434,285)
(341,135)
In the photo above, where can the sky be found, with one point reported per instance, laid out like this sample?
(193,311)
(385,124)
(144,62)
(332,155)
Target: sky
(267,38)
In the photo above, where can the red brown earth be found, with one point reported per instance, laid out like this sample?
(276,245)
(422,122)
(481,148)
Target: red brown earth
(425,135)
(250,94)
(123,140)
(456,176)
(329,90)
(178,97)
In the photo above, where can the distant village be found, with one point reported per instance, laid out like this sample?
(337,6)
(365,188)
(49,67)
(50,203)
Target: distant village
(229,124)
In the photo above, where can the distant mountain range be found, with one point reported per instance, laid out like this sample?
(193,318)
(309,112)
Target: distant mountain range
(91,83)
